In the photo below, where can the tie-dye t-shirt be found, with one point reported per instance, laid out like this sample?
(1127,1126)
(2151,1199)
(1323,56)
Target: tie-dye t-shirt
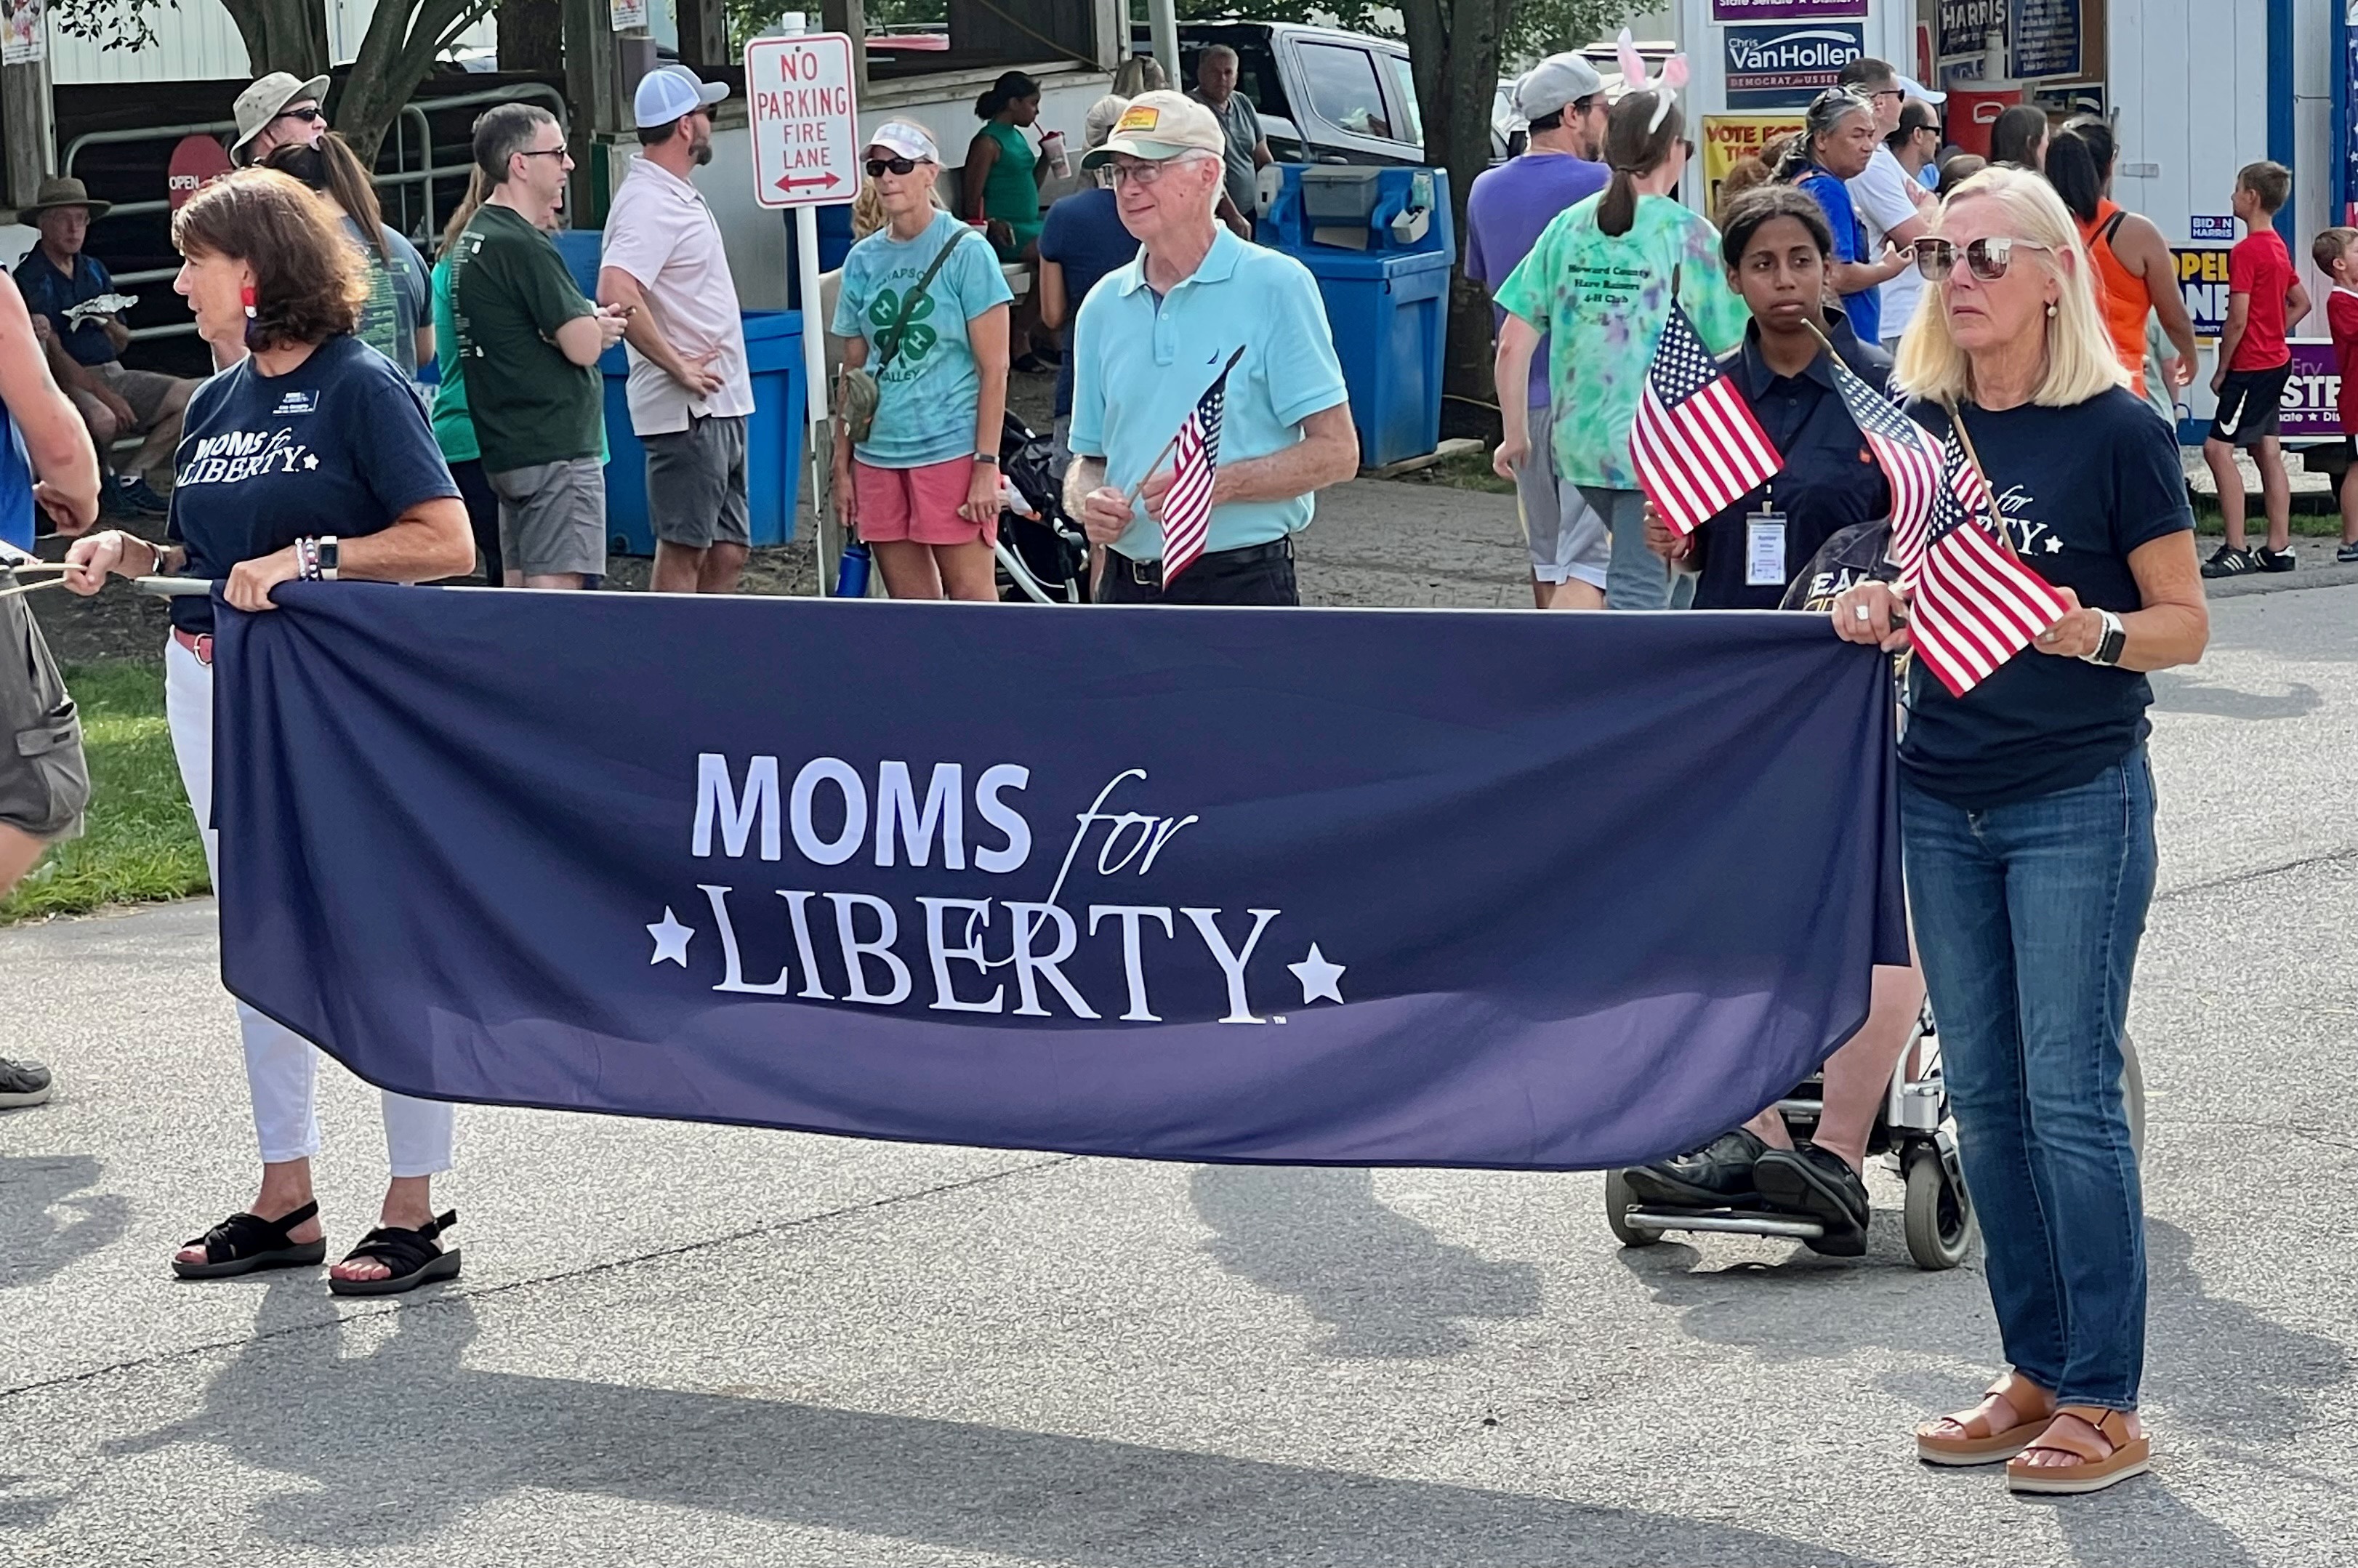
(1602,299)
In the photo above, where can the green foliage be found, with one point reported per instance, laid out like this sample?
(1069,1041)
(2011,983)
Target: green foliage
(748,17)
(111,24)
(139,840)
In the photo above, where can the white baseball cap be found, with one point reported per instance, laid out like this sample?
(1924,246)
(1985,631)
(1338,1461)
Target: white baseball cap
(1915,89)
(1555,83)
(911,142)
(669,91)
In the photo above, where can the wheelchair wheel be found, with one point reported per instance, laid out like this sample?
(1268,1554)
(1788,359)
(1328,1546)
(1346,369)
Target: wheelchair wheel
(1939,1218)
(1618,1201)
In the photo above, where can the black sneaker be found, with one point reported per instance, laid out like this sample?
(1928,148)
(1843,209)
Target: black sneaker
(1819,1184)
(23,1083)
(143,499)
(2347,554)
(1718,1174)
(2229,561)
(2274,560)
(115,505)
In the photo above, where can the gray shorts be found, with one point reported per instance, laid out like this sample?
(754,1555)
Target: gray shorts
(1567,539)
(553,517)
(696,483)
(44,783)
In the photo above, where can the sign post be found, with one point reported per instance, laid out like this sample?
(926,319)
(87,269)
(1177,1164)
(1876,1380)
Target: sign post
(798,91)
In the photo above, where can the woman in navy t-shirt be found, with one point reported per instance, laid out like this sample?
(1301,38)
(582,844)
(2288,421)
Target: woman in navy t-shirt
(310,457)
(2026,813)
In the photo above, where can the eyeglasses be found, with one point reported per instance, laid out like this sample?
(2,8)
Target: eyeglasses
(1987,258)
(540,151)
(1887,92)
(877,168)
(310,112)
(1140,172)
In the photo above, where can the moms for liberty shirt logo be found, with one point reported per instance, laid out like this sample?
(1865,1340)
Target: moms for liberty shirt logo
(238,455)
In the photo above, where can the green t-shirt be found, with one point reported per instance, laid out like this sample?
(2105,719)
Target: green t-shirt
(454,430)
(1600,299)
(510,291)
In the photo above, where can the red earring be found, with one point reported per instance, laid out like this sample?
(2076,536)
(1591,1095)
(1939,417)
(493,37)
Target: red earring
(247,294)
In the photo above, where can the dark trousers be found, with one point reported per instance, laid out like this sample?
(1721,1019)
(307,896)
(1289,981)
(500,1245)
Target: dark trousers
(482,515)
(1257,573)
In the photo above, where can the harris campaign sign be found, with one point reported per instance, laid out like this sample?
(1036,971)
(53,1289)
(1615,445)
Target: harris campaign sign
(1335,886)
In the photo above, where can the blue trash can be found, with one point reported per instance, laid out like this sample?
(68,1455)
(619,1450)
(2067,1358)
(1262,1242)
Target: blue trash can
(774,439)
(1380,242)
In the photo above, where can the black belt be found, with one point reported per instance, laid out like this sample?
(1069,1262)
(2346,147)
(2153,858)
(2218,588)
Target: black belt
(1149,574)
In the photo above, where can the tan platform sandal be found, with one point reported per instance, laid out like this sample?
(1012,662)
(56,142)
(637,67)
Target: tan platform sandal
(1984,1441)
(2098,1466)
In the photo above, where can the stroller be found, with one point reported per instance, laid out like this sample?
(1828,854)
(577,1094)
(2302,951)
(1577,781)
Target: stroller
(1912,1128)
(1043,554)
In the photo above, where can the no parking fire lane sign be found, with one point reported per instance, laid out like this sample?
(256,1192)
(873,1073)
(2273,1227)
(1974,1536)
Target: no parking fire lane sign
(805,133)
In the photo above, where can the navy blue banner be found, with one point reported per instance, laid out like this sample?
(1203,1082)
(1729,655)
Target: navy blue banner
(1381,887)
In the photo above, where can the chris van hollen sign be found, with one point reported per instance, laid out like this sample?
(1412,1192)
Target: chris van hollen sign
(1306,886)
(1770,67)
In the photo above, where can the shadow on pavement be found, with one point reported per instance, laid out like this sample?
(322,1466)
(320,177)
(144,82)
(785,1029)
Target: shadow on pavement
(1387,1285)
(392,1446)
(2184,694)
(47,1218)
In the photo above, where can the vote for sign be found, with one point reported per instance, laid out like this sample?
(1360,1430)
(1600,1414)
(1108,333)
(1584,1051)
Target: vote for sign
(804,121)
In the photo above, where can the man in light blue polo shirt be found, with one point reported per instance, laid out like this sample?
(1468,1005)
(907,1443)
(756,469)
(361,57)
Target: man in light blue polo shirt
(1150,340)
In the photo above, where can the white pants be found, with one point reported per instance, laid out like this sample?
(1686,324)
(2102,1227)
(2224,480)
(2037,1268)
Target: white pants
(280,1064)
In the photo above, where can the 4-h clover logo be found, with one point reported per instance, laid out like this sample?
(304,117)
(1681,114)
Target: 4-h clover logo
(917,339)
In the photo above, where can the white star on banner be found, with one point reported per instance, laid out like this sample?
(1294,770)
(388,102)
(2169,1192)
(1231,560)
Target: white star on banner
(1318,977)
(671,939)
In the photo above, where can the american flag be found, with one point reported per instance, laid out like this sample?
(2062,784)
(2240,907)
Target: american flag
(1975,605)
(1911,459)
(1697,448)
(1196,454)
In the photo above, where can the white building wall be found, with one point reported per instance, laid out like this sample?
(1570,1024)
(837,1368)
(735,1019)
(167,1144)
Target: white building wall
(196,41)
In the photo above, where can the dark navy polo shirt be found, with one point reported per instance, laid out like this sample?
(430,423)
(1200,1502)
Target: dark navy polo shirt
(51,293)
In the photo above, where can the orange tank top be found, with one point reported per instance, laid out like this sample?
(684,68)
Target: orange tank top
(2120,294)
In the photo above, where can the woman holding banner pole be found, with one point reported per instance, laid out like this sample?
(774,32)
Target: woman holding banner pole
(310,427)
(2026,814)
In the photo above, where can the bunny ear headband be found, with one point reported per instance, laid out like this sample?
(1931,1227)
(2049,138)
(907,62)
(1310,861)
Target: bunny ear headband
(1665,87)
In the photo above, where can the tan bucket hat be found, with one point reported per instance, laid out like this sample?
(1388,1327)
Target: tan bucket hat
(262,101)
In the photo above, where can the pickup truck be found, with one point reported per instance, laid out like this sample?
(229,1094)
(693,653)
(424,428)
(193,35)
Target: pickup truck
(1322,96)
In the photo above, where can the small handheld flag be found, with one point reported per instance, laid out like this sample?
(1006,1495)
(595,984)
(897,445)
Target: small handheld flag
(1975,604)
(1909,457)
(1196,459)
(1695,444)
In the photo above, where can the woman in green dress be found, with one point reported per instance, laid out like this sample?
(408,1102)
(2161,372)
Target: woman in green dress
(1001,192)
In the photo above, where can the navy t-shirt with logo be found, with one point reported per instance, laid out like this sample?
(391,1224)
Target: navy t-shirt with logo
(2079,489)
(338,445)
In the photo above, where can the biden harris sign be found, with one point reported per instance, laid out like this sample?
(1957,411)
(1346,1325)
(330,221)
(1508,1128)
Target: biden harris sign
(1376,887)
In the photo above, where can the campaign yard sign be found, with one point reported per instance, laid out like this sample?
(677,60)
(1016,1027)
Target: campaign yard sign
(1785,66)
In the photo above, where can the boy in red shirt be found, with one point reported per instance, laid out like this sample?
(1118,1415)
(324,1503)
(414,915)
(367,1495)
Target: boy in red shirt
(2254,364)
(2335,253)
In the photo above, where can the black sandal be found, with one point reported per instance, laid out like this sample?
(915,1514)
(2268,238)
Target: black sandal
(412,1255)
(245,1242)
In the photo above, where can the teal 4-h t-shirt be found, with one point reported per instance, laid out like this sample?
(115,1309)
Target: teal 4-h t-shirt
(927,396)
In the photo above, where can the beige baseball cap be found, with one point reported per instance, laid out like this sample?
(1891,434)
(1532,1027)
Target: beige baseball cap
(1158,126)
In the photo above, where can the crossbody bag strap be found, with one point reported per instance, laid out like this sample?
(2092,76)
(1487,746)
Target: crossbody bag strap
(892,347)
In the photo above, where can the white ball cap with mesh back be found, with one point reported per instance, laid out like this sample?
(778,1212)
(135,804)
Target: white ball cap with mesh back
(669,91)
(1160,125)
(902,139)
(1556,82)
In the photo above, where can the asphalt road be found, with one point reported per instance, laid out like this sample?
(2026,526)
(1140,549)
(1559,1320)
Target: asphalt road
(688,1345)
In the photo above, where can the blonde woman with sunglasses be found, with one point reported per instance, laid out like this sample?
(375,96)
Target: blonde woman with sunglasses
(2026,813)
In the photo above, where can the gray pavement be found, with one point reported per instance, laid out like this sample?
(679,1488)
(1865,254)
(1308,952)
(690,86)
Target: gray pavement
(678,1343)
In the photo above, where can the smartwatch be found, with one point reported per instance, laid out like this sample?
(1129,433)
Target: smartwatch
(331,552)
(990,457)
(2110,641)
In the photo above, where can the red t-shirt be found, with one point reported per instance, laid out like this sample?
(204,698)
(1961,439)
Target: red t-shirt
(2260,266)
(2341,320)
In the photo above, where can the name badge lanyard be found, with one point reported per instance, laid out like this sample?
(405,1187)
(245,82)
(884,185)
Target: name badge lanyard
(1764,542)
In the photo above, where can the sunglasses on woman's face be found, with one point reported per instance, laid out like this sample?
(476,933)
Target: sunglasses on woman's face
(877,168)
(1986,258)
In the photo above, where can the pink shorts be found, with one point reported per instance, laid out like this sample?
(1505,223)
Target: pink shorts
(920,505)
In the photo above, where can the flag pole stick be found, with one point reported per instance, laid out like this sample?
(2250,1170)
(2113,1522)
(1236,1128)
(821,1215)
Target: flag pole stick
(23,588)
(1131,495)
(1965,440)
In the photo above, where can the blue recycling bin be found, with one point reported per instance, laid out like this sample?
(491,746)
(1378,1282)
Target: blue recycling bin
(774,436)
(1380,242)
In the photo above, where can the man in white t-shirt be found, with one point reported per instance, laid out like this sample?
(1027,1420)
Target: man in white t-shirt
(1890,202)
(689,389)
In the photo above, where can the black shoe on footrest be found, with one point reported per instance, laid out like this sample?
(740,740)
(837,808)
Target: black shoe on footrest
(1817,1184)
(1716,1175)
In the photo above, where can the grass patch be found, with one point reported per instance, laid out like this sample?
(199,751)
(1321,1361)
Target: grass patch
(1467,470)
(139,840)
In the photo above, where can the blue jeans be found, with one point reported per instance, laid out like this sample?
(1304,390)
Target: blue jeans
(1636,578)
(2027,918)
